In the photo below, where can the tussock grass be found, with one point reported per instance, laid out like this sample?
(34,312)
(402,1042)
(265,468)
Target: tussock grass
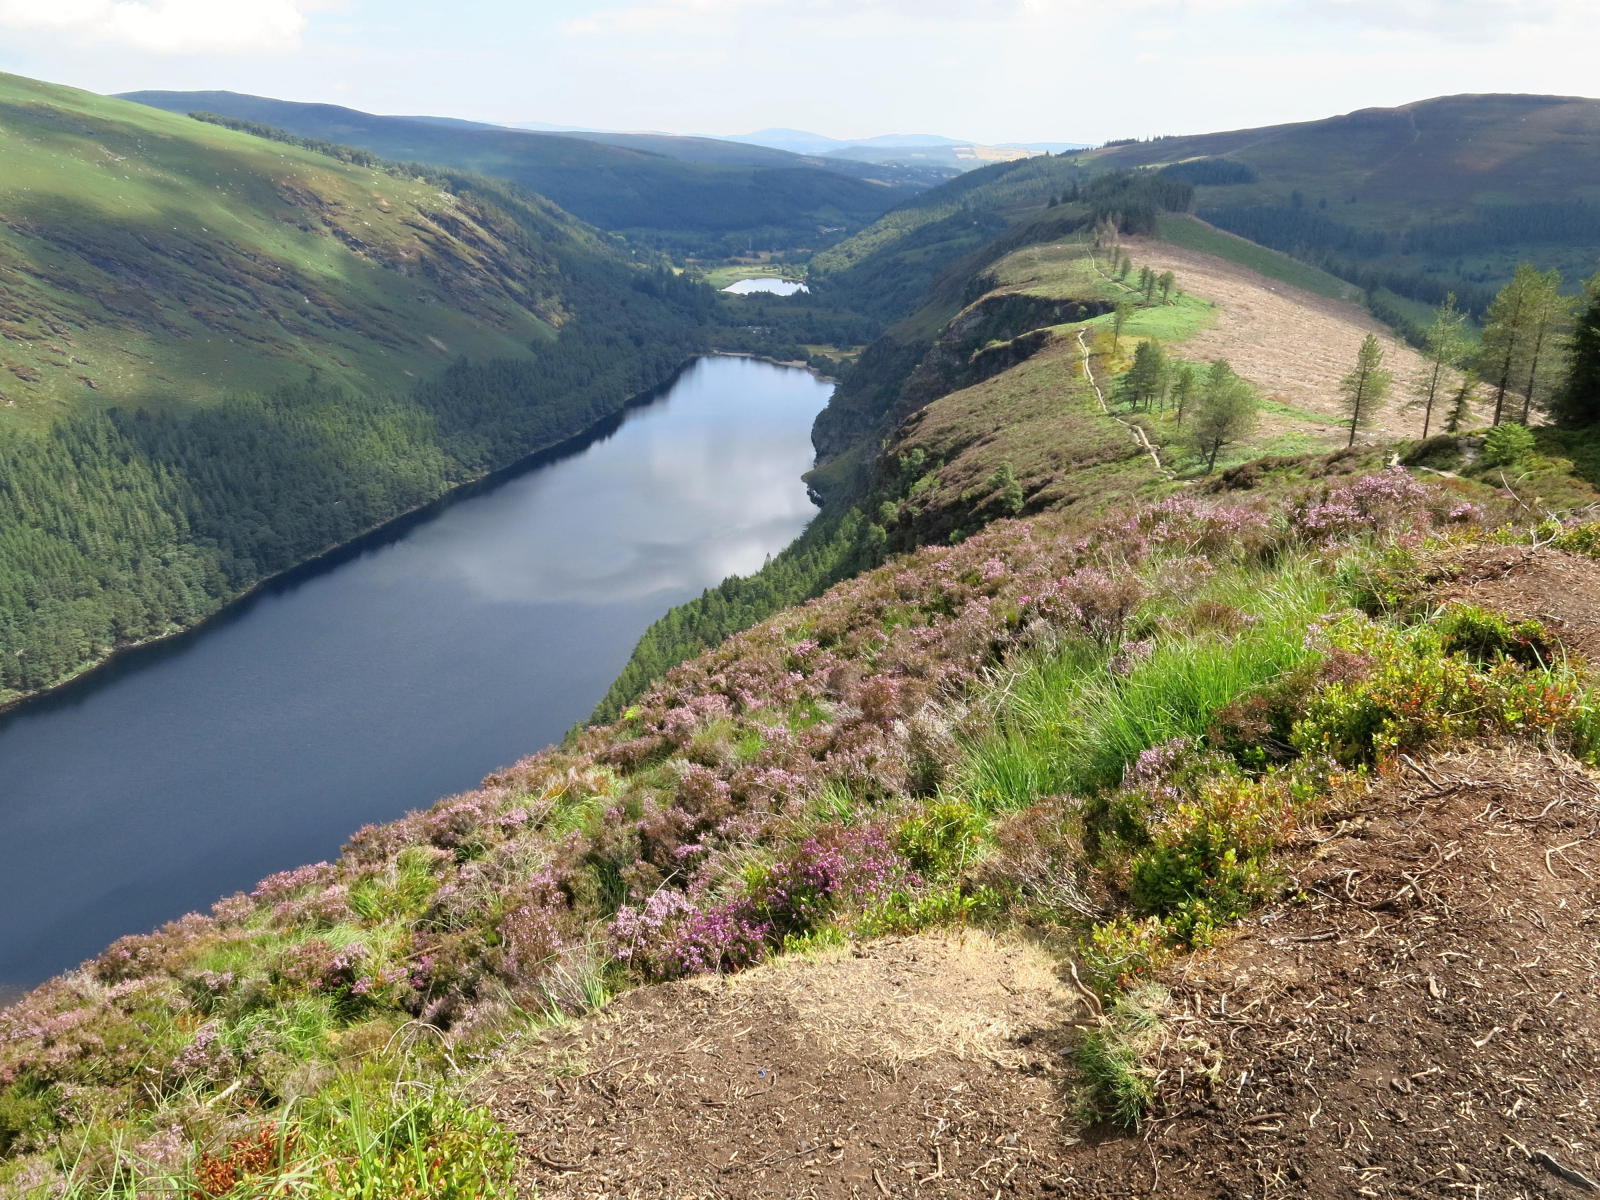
(1068,723)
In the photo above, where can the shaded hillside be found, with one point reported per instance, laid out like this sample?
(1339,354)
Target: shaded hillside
(632,187)
(223,354)
(1444,193)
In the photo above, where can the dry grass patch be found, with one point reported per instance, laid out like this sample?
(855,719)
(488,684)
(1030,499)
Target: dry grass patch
(928,1066)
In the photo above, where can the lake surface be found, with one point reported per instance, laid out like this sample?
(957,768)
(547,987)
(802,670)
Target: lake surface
(388,676)
(779,287)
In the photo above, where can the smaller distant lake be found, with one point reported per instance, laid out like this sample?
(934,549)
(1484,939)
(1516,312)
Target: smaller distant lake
(779,287)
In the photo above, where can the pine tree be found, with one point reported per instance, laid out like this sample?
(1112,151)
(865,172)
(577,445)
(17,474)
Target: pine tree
(1146,379)
(1547,315)
(1166,281)
(1505,335)
(1461,403)
(1225,414)
(1444,343)
(1119,319)
(1365,387)
(1183,388)
(1578,402)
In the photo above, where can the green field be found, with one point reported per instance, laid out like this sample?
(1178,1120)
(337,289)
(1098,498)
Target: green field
(1193,234)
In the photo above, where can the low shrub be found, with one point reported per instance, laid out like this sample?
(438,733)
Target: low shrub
(1507,445)
(1489,636)
(1401,690)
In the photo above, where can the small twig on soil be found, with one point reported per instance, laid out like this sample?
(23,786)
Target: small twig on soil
(545,1160)
(1575,1178)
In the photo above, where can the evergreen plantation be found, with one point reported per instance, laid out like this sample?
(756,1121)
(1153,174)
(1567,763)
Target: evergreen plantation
(197,398)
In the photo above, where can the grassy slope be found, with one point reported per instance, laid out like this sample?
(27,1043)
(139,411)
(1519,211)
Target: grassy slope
(1194,234)
(1449,159)
(172,292)
(147,258)
(624,187)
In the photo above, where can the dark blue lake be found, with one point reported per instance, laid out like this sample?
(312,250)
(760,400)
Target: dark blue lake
(387,676)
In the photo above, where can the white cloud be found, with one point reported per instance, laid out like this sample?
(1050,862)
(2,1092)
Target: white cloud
(168,26)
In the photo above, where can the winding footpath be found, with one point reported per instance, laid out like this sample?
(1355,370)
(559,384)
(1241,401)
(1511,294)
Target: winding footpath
(1132,426)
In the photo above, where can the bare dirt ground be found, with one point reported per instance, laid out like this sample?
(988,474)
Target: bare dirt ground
(923,1066)
(1294,345)
(1424,1023)
(1560,590)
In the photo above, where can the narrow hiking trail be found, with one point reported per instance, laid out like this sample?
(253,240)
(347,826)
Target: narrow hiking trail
(1132,426)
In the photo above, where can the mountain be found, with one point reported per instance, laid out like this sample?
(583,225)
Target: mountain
(712,204)
(902,149)
(960,156)
(221,354)
(798,141)
(887,267)
(1439,195)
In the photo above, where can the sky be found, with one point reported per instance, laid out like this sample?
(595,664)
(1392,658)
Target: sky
(988,70)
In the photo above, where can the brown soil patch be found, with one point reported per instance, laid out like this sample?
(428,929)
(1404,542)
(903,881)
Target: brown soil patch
(1425,1023)
(1292,344)
(1559,590)
(924,1066)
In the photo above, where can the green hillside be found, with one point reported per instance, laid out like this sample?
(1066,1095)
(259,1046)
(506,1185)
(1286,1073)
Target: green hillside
(717,201)
(888,267)
(220,355)
(146,258)
(1444,194)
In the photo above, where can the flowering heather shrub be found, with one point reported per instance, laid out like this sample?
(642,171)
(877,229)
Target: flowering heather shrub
(1041,861)
(645,829)
(1095,600)
(841,865)
(1390,502)
(287,883)
(671,936)
(1223,530)
(534,931)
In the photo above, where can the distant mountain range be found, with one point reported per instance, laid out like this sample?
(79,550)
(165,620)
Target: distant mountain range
(907,149)
(691,195)
(800,141)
